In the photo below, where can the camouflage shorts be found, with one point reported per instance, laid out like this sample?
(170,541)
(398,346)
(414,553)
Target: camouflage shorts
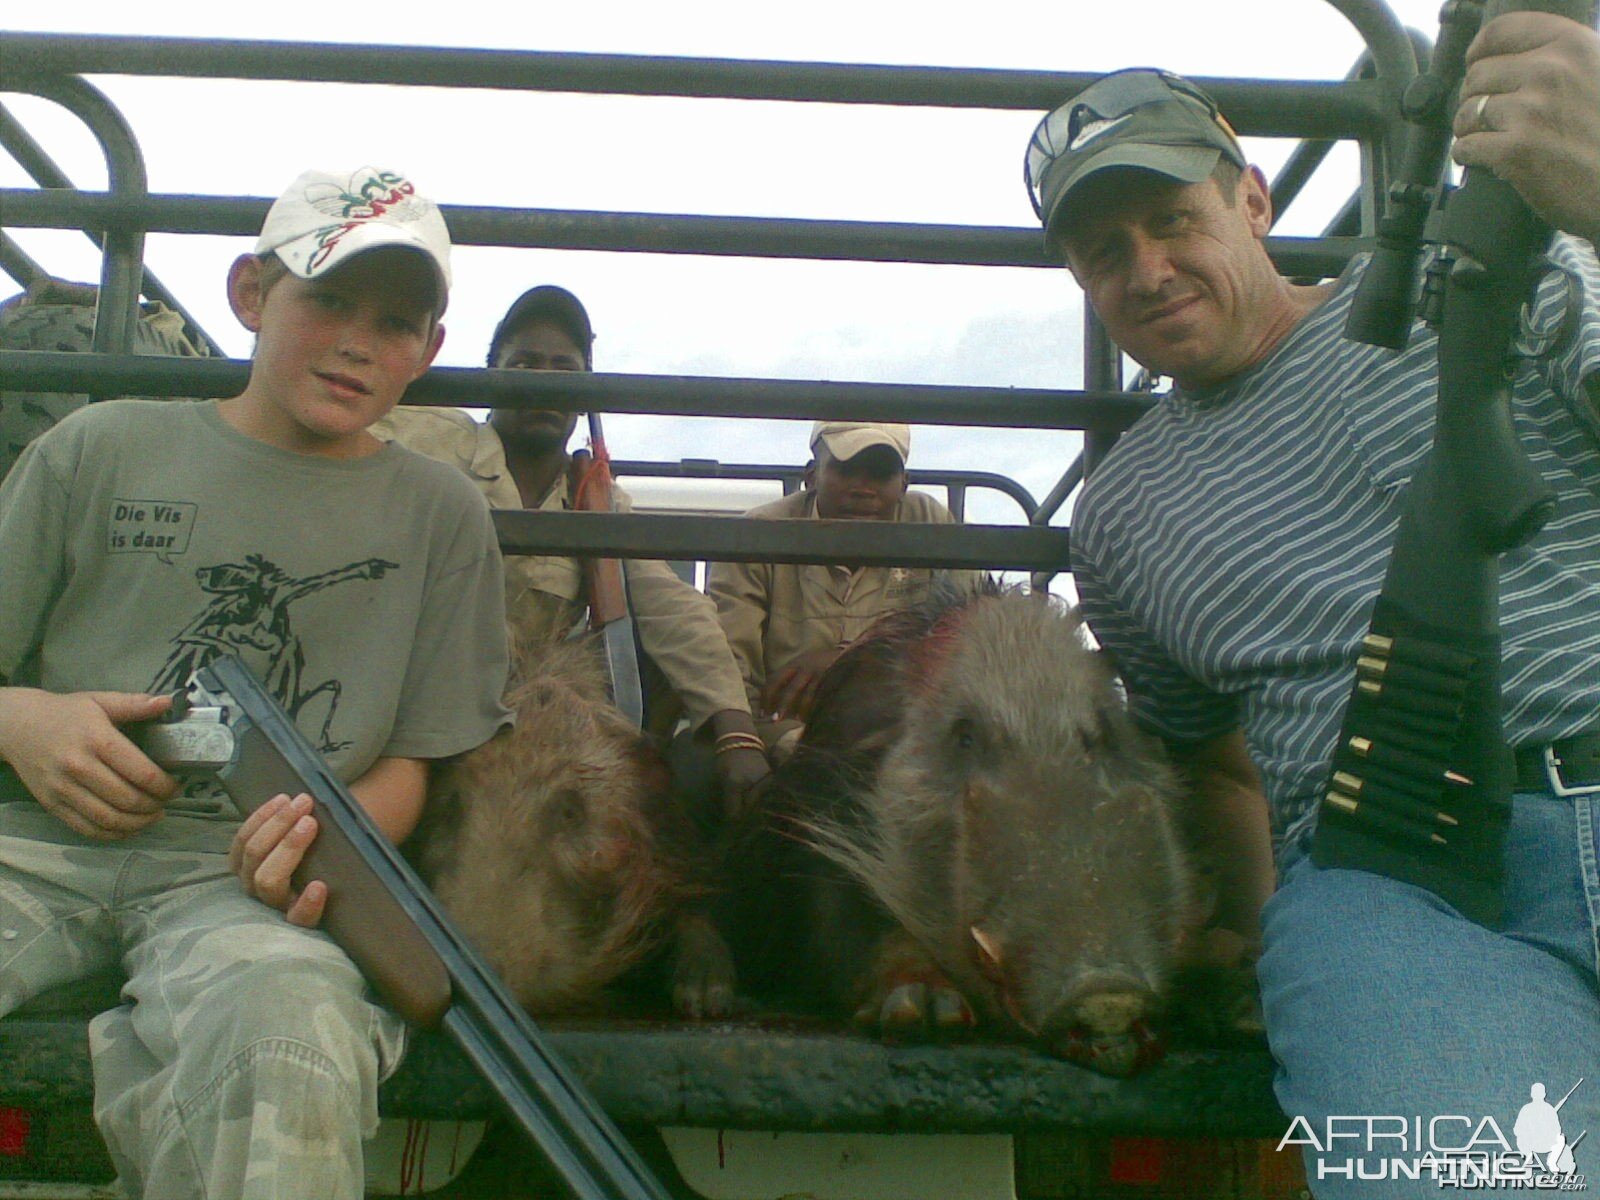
(246,1057)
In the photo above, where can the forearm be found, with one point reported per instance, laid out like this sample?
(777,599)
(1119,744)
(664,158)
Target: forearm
(1237,841)
(392,791)
(741,592)
(1229,828)
(730,720)
(11,701)
(679,630)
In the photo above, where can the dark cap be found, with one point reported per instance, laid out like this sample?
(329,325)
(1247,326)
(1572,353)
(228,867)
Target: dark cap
(547,303)
(1144,118)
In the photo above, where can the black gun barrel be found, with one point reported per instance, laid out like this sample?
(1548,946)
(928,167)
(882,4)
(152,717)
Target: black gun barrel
(582,1144)
(1386,299)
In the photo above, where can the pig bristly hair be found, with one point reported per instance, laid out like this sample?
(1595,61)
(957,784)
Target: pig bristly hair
(544,843)
(972,765)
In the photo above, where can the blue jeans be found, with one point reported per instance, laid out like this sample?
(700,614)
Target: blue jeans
(1382,1001)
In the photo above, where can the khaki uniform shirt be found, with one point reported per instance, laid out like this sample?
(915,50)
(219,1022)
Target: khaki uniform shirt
(544,593)
(774,612)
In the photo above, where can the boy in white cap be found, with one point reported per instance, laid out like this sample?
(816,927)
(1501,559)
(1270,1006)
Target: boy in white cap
(786,622)
(361,582)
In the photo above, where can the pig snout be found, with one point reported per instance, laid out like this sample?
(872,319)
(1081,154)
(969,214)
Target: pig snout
(1106,1004)
(1104,1024)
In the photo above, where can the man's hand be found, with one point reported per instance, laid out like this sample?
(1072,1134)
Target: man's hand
(741,772)
(791,690)
(73,759)
(265,852)
(1530,112)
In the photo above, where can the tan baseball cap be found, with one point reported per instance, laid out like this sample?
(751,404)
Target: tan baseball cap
(846,439)
(327,217)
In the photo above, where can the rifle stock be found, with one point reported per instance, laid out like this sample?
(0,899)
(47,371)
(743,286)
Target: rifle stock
(609,610)
(608,598)
(363,915)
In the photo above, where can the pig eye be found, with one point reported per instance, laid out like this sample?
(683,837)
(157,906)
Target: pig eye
(963,734)
(569,810)
(1098,735)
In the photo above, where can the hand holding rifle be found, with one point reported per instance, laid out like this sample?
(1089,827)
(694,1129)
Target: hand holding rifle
(326,843)
(72,756)
(1530,113)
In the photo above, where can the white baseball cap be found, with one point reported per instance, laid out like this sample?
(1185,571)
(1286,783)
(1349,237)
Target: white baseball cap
(326,218)
(846,439)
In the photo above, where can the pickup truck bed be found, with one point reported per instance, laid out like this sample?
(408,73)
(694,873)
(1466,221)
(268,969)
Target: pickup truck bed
(1212,1105)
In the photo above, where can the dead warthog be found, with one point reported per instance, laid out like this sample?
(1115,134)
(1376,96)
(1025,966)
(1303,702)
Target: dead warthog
(550,844)
(972,829)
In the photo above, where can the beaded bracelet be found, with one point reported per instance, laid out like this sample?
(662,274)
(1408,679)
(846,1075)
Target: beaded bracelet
(739,740)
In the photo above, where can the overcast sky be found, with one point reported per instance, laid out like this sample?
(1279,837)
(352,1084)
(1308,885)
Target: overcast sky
(673,314)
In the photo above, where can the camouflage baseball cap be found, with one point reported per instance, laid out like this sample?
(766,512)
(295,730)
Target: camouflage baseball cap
(1144,118)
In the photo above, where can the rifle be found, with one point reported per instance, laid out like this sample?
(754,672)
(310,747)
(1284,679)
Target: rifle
(1421,780)
(227,725)
(609,610)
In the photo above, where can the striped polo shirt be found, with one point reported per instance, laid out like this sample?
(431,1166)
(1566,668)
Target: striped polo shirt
(1229,550)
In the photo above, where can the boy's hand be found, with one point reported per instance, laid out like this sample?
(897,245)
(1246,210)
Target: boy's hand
(78,765)
(267,849)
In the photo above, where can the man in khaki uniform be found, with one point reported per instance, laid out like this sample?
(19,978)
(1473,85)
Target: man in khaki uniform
(519,460)
(786,623)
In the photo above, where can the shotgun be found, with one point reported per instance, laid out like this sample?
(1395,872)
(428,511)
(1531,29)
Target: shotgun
(1421,780)
(229,726)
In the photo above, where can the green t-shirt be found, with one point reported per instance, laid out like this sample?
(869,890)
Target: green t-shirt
(140,539)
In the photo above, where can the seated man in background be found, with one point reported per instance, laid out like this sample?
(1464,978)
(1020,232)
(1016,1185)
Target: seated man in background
(519,459)
(787,622)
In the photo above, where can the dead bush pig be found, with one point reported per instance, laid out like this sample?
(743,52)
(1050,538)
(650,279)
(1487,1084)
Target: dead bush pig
(547,843)
(971,828)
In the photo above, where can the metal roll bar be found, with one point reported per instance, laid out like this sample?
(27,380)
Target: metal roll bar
(47,65)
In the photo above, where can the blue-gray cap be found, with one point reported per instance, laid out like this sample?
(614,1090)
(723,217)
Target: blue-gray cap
(1145,118)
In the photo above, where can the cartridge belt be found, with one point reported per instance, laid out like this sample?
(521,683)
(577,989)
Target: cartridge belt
(1568,767)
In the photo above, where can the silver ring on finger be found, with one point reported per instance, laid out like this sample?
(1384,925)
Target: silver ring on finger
(1480,122)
